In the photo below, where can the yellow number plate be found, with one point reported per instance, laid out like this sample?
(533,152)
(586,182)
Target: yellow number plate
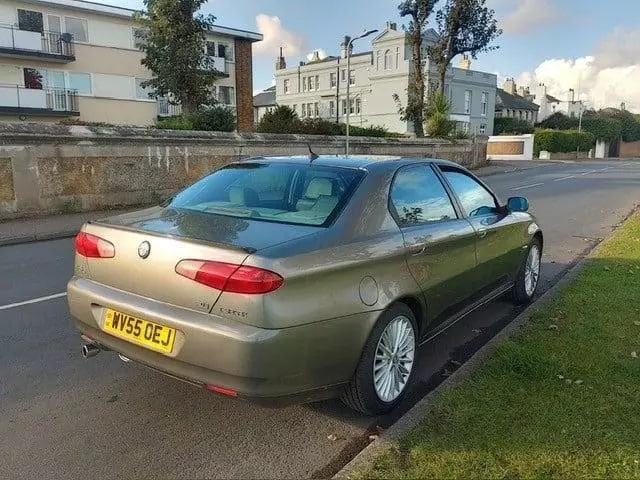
(147,334)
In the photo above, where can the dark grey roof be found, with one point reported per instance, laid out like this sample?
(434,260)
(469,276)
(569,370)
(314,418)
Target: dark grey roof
(266,98)
(553,99)
(515,102)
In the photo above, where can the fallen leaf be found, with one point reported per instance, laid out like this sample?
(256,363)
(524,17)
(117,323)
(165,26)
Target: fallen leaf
(373,437)
(578,382)
(333,437)
(636,323)
(113,399)
(476,330)
(631,272)
(634,354)
(569,381)
(561,377)
(607,268)
(553,327)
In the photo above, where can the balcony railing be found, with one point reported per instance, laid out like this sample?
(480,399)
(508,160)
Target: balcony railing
(218,64)
(37,44)
(168,109)
(19,99)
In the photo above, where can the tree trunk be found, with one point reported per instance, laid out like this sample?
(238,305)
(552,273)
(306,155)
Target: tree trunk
(442,72)
(417,104)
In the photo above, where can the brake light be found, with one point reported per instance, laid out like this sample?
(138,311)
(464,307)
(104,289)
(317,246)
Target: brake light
(230,277)
(92,246)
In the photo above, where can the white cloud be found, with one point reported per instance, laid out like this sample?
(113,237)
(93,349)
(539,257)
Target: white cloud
(529,15)
(276,36)
(606,78)
(321,54)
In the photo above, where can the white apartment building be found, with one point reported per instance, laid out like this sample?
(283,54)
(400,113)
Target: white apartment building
(75,58)
(318,88)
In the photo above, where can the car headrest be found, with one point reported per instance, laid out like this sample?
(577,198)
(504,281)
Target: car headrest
(318,187)
(243,196)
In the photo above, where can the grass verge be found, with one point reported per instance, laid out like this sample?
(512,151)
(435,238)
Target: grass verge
(561,399)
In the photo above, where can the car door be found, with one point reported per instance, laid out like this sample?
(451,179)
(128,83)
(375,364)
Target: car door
(439,241)
(499,238)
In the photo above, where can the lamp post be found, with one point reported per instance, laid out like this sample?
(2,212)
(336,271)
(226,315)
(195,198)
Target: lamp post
(349,46)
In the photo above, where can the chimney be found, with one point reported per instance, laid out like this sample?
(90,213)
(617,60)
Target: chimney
(465,62)
(315,56)
(572,95)
(524,91)
(281,63)
(510,86)
(344,45)
(392,26)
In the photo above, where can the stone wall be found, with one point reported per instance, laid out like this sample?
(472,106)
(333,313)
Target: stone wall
(53,168)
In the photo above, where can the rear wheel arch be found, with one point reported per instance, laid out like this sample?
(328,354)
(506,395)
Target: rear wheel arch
(540,237)
(419,309)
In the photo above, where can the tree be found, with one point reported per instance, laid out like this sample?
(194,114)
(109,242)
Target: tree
(282,119)
(172,37)
(437,111)
(418,11)
(464,26)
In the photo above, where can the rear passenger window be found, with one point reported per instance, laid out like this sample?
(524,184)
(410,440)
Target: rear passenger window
(417,195)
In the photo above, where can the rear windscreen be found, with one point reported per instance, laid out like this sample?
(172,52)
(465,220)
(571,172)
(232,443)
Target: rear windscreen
(275,192)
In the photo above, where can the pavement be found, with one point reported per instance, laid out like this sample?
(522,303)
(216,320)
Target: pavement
(61,416)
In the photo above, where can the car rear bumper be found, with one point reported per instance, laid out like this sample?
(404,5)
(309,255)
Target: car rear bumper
(300,363)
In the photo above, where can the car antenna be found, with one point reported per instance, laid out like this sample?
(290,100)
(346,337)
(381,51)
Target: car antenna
(312,156)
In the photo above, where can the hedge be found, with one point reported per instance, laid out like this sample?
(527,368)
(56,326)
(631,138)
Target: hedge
(511,126)
(214,119)
(563,141)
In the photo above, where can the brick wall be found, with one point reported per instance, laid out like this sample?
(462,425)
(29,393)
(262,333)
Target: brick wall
(244,85)
(629,149)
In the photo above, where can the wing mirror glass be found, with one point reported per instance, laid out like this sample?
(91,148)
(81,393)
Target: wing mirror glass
(518,204)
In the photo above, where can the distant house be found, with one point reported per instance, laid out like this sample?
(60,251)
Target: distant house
(514,106)
(264,102)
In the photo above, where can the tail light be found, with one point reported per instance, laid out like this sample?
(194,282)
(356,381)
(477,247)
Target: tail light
(230,277)
(92,246)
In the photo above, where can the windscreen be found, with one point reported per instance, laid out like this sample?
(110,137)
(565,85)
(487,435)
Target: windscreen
(274,192)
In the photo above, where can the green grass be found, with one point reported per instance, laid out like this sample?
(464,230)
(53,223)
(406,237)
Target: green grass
(561,399)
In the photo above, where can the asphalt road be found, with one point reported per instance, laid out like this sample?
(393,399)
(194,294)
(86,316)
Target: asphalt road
(62,416)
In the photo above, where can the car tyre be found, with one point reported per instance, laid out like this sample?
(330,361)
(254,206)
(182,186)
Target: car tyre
(528,277)
(367,392)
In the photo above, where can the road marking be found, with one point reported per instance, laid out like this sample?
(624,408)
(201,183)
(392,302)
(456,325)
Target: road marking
(589,172)
(564,178)
(33,300)
(527,186)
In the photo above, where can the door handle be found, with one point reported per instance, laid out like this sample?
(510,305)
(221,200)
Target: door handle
(417,249)
(482,233)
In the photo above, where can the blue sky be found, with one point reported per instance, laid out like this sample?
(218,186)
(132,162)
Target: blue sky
(593,45)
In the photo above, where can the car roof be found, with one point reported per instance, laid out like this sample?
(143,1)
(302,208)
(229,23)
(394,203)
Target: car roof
(366,162)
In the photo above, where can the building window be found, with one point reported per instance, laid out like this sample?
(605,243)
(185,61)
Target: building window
(387,60)
(317,82)
(352,77)
(304,84)
(358,105)
(378,55)
(310,109)
(344,107)
(332,108)
(33,78)
(467,101)
(295,108)
(78,28)
(82,83)
(483,128)
(333,79)
(316,110)
(226,95)
(485,99)
(304,110)
(225,51)
(310,84)
(397,57)
(210,48)
(287,86)
(343,75)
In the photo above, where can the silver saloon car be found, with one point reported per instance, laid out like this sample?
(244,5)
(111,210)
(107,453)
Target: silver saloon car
(296,279)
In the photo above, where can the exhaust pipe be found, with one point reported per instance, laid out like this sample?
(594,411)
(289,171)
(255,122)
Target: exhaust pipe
(90,350)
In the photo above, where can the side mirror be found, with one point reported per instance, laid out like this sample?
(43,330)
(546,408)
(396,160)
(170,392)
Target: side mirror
(518,204)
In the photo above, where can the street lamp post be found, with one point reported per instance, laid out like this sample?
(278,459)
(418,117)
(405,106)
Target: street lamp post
(349,46)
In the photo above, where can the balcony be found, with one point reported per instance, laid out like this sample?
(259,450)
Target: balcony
(219,64)
(51,46)
(17,100)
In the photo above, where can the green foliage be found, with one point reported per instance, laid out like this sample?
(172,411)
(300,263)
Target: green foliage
(511,126)
(559,121)
(437,113)
(603,128)
(174,123)
(172,36)
(563,141)
(216,119)
(418,12)
(629,123)
(464,27)
(281,119)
